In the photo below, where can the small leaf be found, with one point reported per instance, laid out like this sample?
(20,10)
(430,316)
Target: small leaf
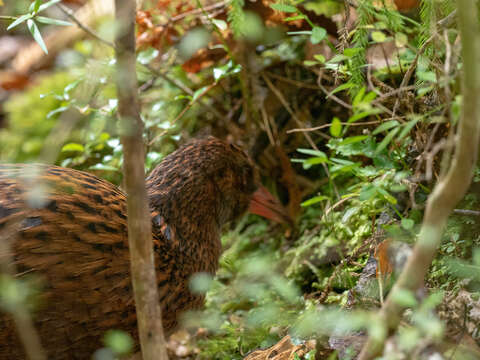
(310,63)
(385,126)
(336,59)
(359,96)
(314,200)
(391,199)
(341,88)
(284,8)
(307,164)
(386,140)
(349,52)
(47,5)
(20,20)
(73,147)
(407,224)
(364,114)
(36,5)
(353,139)
(336,127)
(36,34)
(406,128)
(318,34)
(378,36)
(312,152)
(320,58)
(50,21)
(222,25)
(367,192)
(303,32)
(198,92)
(296,17)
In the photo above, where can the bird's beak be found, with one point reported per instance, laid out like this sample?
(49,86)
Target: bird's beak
(264,204)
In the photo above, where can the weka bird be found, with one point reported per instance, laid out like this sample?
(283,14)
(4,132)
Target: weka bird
(76,241)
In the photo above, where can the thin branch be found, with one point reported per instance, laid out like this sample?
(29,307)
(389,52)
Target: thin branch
(69,13)
(149,315)
(328,125)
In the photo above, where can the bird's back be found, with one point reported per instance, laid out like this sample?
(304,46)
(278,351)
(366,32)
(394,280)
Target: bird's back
(67,231)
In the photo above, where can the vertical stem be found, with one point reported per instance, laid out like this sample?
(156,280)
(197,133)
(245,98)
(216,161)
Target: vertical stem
(149,318)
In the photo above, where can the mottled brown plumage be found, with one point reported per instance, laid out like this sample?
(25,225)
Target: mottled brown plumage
(75,240)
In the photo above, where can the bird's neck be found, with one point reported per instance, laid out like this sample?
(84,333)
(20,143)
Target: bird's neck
(191,215)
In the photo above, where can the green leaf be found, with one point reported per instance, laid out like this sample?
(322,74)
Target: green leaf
(320,58)
(73,147)
(385,126)
(20,20)
(222,25)
(310,63)
(341,88)
(369,97)
(226,70)
(312,152)
(353,139)
(303,32)
(391,199)
(378,36)
(406,128)
(336,59)
(336,127)
(198,92)
(50,21)
(284,8)
(367,192)
(33,28)
(308,163)
(363,114)
(296,17)
(318,34)
(407,224)
(386,140)
(359,96)
(48,4)
(349,52)
(314,200)
(36,5)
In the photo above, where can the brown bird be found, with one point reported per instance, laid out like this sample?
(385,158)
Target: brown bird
(74,238)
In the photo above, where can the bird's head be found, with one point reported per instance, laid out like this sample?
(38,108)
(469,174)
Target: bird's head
(210,179)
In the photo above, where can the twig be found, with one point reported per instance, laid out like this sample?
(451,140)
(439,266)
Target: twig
(328,125)
(466,212)
(69,13)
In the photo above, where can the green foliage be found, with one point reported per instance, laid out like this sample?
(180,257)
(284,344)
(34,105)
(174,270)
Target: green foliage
(236,17)
(28,123)
(32,17)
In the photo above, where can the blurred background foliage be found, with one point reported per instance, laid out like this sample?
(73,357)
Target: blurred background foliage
(343,109)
